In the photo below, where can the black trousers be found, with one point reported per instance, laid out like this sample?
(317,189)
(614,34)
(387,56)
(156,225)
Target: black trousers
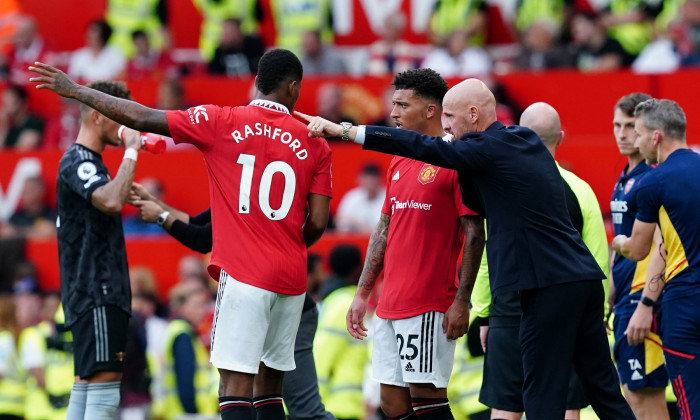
(562,328)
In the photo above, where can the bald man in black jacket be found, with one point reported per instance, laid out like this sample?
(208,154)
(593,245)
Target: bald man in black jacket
(532,246)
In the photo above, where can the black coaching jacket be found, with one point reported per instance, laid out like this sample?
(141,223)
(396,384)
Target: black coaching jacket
(508,175)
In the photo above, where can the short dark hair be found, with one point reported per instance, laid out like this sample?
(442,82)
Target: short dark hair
(116,89)
(627,103)
(344,259)
(275,67)
(103,27)
(664,115)
(426,83)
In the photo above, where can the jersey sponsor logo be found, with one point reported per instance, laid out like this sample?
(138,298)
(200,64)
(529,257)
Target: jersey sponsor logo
(408,204)
(629,185)
(618,207)
(395,177)
(636,376)
(273,133)
(428,174)
(197,112)
(86,170)
(409,367)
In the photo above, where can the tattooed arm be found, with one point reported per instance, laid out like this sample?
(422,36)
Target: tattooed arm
(123,111)
(374,263)
(641,321)
(456,322)
(111,197)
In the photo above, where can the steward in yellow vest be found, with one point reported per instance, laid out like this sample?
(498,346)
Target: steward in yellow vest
(127,16)
(215,12)
(13,378)
(190,381)
(340,359)
(295,17)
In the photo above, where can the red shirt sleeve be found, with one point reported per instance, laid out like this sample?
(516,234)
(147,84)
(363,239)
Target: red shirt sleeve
(322,181)
(196,125)
(386,208)
(461,208)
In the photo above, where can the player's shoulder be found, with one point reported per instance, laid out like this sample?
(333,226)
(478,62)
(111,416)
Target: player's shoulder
(319,145)
(582,189)
(572,178)
(652,178)
(76,154)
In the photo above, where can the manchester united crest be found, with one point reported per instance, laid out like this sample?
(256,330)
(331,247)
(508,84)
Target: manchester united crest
(428,174)
(629,185)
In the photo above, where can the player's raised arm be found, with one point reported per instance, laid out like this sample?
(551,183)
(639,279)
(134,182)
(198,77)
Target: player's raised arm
(123,111)
(111,197)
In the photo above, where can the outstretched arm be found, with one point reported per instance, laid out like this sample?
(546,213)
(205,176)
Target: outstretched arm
(459,155)
(140,193)
(123,111)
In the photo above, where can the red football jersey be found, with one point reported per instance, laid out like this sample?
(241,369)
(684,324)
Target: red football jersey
(424,241)
(262,166)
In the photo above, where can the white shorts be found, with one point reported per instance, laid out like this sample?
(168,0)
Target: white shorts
(253,325)
(412,350)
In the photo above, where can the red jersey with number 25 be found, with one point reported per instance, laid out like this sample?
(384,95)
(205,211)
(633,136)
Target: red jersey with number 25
(262,166)
(424,241)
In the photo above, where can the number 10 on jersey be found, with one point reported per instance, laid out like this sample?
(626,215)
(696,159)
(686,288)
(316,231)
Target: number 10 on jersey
(278,166)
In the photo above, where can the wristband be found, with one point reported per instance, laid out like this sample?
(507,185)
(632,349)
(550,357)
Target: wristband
(647,301)
(120,133)
(131,154)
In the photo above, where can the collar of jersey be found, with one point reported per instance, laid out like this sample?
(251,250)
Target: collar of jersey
(272,106)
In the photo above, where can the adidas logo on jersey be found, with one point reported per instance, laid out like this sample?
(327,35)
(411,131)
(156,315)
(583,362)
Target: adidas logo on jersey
(395,177)
(409,367)
(636,376)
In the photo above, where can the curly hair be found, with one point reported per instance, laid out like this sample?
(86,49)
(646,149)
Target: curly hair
(425,83)
(275,67)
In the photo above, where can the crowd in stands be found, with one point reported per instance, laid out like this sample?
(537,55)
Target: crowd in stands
(132,42)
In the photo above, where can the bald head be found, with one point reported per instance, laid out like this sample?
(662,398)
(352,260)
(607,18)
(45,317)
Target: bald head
(474,92)
(543,119)
(468,107)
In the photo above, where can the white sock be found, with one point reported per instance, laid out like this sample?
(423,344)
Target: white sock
(102,401)
(76,403)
